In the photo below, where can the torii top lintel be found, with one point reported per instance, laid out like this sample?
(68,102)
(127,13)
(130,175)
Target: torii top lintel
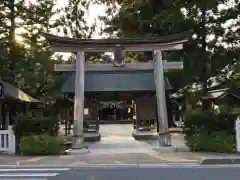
(66,44)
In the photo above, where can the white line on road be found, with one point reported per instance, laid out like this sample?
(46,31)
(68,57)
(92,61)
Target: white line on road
(28,174)
(35,169)
(23,179)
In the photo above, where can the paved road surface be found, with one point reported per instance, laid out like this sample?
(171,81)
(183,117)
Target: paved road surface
(151,173)
(126,172)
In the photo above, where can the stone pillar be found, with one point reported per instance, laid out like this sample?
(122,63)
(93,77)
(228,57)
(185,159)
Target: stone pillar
(164,137)
(78,138)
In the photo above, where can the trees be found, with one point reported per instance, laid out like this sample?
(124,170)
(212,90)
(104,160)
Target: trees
(202,55)
(73,23)
(25,57)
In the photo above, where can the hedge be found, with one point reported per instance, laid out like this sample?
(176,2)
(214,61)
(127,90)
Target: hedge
(220,142)
(208,131)
(28,125)
(43,144)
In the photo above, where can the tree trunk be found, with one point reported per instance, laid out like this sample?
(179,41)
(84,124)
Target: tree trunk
(205,70)
(12,40)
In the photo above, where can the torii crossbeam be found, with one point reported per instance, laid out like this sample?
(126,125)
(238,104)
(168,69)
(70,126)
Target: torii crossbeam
(155,44)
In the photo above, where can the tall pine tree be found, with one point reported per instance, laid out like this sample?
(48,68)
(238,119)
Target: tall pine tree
(26,59)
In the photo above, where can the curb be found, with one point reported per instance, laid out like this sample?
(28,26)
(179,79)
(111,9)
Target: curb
(118,166)
(220,161)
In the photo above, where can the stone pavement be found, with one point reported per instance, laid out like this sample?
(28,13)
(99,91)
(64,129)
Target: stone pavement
(118,147)
(110,150)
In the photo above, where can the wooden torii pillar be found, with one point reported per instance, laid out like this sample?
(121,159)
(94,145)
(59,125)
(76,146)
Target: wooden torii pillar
(155,44)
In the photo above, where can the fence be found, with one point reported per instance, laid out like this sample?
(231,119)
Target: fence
(7,141)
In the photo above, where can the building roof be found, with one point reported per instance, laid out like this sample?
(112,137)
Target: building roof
(220,93)
(216,93)
(13,92)
(112,81)
(214,81)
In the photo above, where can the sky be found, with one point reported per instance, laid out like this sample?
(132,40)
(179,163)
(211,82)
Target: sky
(92,14)
(99,10)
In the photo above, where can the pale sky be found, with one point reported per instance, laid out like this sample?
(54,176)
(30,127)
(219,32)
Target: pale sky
(99,10)
(93,12)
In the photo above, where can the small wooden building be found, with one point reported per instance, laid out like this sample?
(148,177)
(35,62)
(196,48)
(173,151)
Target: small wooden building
(13,102)
(227,97)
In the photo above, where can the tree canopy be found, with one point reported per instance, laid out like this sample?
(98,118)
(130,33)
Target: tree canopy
(27,61)
(215,27)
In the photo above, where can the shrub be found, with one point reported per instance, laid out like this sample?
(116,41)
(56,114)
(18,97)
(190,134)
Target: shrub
(209,131)
(28,125)
(208,122)
(43,144)
(220,141)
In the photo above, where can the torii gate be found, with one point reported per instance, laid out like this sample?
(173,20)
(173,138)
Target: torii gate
(154,44)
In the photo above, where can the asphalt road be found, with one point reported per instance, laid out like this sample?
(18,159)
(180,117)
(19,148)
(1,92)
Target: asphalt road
(162,173)
(143,172)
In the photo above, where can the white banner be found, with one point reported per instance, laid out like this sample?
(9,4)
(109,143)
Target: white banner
(237,126)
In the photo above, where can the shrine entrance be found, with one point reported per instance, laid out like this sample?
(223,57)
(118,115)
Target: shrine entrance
(114,112)
(145,79)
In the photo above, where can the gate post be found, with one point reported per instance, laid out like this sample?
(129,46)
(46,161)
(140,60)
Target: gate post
(78,137)
(164,137)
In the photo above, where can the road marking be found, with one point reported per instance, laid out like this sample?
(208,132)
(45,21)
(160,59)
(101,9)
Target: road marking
(35,169)
(28,174)
(23,179)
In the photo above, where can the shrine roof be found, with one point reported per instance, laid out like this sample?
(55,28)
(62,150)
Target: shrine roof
(66,44)
(12,92)
(111,81)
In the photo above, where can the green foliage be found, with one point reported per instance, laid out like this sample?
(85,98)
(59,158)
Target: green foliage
(25,57)
(72,21)
(209,131)
(43,144)
(28,125)
(207,122)
(203,57)
(217,141)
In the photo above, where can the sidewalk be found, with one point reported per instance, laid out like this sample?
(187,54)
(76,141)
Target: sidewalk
(123,158)
(114,149)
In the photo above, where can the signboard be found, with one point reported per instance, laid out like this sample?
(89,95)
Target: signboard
(237,126)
